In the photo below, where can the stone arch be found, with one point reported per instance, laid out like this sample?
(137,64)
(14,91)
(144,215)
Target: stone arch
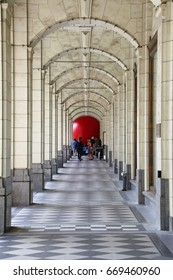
(97,93)
(82,107)
(83,79)
(90,67)
(89,113)
(86,22)
(86,51)
(90,101)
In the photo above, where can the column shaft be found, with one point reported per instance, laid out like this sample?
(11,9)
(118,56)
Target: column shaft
(5,119)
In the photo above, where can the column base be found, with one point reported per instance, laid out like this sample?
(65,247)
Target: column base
(68,152)
(140,186)
(5,204)
(115,166)
(54,166)
(171,224)
(60,158)
(110,158)
(128,169)
(162,204)
(64,154)
(120,170)
(22,191)
(47,170)
(37,177)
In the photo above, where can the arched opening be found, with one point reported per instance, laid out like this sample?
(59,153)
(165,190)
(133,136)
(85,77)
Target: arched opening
(86,127)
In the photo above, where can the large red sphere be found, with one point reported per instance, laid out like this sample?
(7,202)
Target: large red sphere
(86,127)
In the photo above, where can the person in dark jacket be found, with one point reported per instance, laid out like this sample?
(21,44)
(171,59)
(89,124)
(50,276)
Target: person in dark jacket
(80,148)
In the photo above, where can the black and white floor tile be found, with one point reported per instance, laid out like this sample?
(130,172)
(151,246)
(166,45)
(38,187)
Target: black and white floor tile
(80,215)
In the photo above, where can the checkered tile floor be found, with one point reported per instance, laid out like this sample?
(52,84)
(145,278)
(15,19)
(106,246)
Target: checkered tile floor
(80,215)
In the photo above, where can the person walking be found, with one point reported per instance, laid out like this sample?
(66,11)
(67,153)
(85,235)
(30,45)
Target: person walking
(90,149)
(74,144)
(80,148)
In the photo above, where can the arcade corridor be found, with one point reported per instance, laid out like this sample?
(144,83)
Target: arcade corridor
(83,214)
(110,62)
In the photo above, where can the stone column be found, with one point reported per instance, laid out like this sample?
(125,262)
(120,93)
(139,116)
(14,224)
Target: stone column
(143,103)
(166,184)
(54,131)
(116,134)
(67,135)
(124,119)
(142,122)
(111,132)
(70,125)
(22,194)
(121,132)
(60,132)
(37,120)
(64,134)
(5,119)
(130,128)
(47,129)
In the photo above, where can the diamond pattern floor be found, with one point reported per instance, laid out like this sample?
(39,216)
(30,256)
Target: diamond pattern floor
(80,215)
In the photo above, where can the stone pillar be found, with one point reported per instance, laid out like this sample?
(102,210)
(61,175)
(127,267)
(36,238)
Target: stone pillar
(120,170)
(128,176)
(130,101)
(115,166)
(64,120)
(162,204)
(64,153)
(22,193)
(70,135)
(110,158)
(68,139)
(105,153)
(167,105)
(5,119)
(37,177)
(47,167)
(111,132)
(116,133)
(121,132)
(60,132)
(54,132)
(37,123)
(142,121)
(140,183)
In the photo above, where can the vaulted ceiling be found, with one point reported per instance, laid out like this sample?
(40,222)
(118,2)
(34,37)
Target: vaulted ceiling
(86,46)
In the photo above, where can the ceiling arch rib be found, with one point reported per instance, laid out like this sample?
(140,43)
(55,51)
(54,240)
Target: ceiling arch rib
(82,113)
(86,67)
(86,81)
(87,23)
(91,92)
(86,107)
(89,101)
(86,51)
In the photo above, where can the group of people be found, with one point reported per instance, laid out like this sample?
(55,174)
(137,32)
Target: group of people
(78,149)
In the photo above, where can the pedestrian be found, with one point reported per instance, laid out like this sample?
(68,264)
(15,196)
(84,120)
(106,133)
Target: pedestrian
(80,148)
(90,149)
(74,144)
